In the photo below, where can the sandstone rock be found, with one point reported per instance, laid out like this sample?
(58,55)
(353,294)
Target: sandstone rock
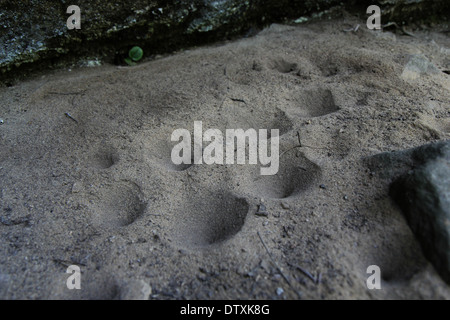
(418,65)
(135,290)
(424,197)
(391,165)
(34,34)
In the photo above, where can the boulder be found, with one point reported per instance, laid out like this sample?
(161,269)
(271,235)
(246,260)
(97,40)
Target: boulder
(417,66)
(423,194)
(34,34)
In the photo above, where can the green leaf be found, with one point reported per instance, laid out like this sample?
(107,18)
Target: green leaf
(130,62)
(136,53)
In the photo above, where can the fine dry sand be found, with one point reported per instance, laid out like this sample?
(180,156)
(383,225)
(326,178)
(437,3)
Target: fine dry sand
(102,193)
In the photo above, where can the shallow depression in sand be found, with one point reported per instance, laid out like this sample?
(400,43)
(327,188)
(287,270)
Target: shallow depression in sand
(104,159)
(117,205)
(295,174)
(207,218)
(312,103)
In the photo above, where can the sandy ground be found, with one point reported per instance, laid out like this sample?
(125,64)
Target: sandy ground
(102,193)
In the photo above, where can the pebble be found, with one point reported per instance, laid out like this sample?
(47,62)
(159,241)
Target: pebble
(322,186)
(345,197)
(241,271)
(280,291)
(284,205)
(135,290)
(265,265)
(1,121)
(76,188)
(262,214)
(262,211)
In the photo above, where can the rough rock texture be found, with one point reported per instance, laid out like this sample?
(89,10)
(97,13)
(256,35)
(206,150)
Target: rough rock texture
(418,65)
(423,193)
(135,290)
(412,11)
(34,35)
(392,165)
(36,30)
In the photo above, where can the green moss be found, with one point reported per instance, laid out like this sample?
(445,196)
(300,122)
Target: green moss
(36,38)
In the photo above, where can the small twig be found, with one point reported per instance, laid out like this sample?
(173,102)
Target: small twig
(407,32)
(300,145)
(307,273)
(277,266)
(318,148)
(316,280)
(238,100)
(402,28)
(23,220)
(305,145)
(289,150)
(299,140)
(352,29)
(67,93)
(66,263)
(389,24)
(295,147)
(70,117)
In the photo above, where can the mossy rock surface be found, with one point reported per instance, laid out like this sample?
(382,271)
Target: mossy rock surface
(34,34)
